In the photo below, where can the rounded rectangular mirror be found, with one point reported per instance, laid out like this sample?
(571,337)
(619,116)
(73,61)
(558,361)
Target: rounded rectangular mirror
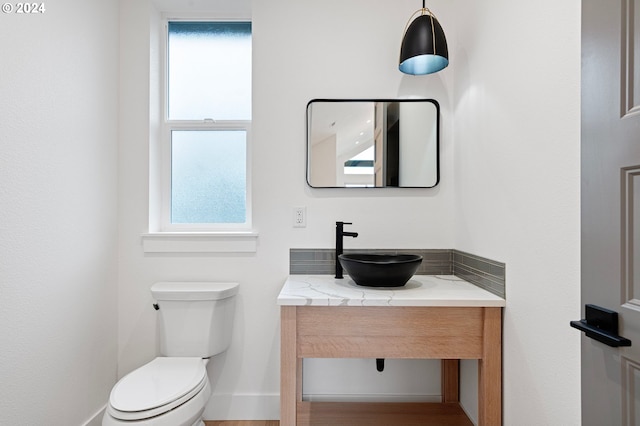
(373,143)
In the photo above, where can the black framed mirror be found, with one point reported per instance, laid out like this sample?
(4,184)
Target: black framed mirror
(373,143)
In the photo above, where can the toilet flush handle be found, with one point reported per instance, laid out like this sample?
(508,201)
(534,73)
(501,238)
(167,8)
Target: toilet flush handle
(156,306)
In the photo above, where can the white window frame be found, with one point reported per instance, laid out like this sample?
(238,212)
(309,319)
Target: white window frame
(168,126)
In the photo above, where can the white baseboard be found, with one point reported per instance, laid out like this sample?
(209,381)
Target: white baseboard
(96,419)
(371,398)
(243,407)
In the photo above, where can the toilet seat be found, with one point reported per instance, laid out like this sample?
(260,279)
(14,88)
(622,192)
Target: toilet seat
(157,387)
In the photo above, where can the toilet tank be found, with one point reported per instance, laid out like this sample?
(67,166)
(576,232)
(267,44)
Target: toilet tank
(195,318)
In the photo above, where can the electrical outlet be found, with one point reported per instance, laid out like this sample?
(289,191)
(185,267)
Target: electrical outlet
(299,217)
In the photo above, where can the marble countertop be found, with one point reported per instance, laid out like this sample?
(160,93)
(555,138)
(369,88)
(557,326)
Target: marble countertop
(421,290)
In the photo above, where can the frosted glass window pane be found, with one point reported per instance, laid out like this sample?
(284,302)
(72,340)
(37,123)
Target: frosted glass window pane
(208,176)
(209,70)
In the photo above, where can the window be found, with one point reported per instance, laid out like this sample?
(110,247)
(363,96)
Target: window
(208,176)
(207,126)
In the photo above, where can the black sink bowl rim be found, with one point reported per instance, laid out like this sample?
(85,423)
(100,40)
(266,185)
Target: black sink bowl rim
(380,270)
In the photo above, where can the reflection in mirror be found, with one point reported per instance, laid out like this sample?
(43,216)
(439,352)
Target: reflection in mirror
(372,143)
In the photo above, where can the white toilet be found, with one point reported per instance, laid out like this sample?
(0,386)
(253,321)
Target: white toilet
(195,320)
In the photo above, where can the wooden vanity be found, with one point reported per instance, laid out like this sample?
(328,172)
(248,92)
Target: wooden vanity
(431,317)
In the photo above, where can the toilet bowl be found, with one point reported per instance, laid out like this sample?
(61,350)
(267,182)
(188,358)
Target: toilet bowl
(165,392)
(195,322)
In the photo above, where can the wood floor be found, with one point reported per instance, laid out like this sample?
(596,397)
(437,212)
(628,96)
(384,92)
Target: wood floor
(383,414)
(242,423)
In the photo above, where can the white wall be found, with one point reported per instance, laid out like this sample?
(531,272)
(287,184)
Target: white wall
(246,378)
(517,165)
(511,123)
(338,49)
(512,196)
(58,228)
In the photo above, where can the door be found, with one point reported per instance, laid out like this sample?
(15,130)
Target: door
(610,205)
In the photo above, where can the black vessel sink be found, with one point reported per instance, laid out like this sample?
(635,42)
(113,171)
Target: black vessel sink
(380,270)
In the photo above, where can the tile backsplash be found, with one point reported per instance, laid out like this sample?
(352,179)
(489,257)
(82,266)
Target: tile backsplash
(485,273)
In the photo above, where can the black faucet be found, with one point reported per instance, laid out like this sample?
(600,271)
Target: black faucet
(339,246)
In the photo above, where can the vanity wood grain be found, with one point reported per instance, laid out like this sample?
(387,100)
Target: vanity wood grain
(423,331)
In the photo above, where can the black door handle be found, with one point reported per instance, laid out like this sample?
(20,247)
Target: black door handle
(602,325)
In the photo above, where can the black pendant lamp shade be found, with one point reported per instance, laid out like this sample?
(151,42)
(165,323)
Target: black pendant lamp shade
(424,46)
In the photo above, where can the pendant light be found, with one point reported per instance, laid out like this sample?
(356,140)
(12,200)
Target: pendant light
(424,46)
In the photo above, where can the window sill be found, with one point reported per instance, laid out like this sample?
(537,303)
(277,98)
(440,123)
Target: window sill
(200,242)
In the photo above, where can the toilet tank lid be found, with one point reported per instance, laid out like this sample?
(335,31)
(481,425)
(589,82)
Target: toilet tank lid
(190,290)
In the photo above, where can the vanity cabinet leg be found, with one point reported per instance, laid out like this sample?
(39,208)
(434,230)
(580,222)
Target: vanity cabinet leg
(290,367)
(490,370)
(450,380)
